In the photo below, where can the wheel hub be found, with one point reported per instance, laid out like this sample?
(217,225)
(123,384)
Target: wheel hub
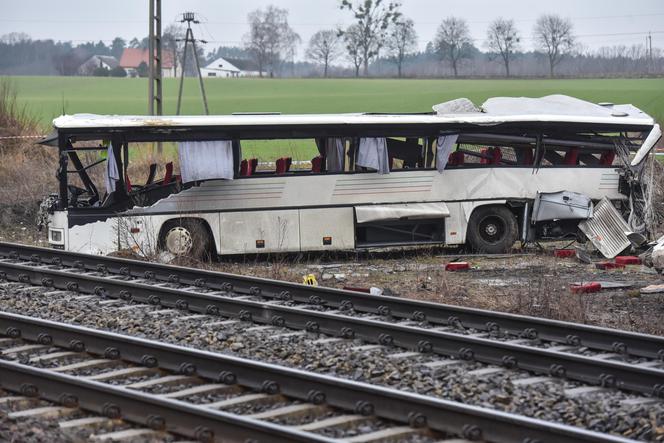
(491,229)
(179,241)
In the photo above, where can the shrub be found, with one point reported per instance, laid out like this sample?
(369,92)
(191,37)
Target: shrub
(118,71)
(100,71)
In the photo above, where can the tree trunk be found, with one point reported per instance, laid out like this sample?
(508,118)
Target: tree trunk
(507,67)
(454,68)
(357,70)
(550,67)
(325,70)
(399,69)
(365,60)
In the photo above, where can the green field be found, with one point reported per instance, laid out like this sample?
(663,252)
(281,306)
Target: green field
(49,97)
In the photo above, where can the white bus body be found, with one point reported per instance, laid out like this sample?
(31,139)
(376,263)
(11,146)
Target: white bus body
(304,211)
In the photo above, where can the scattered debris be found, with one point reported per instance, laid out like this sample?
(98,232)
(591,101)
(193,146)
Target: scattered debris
(609,284)
(583,255)
(606,229)
(457,266)
(628,260)
(564,253)
(653,289)
(372,290)
(585,288)
(606,265)
(340,277)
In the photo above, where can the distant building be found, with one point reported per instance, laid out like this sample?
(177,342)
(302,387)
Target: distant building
(97,61)
(229,67)
(133,57)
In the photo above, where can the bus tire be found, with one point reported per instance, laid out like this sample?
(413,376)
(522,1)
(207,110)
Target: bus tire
(492,229)
(186,238)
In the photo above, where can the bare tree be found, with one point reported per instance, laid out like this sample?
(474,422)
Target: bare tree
(373,19)
(453,41)
(553,34)
(503,39)
(353,40)
(173,42)
(270,38)
(401,41)
(324,48)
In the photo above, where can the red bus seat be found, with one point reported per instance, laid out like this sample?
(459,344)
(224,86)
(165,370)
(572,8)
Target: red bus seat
(248,167)
(168,176)
(317,164)
(572,157)
(283,165)
(607,157)
(456,159)
(491,156)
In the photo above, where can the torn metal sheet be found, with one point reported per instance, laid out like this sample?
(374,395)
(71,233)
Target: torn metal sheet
(606,229)
(562,205)
(366,214)
(653,289)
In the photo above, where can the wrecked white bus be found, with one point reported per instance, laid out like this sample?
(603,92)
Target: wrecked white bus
(513,169)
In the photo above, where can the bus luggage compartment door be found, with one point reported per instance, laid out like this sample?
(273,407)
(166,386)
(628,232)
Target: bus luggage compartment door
(259,231)
(396,224)
(326,229)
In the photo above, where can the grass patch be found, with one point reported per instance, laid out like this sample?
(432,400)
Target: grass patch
(48,97)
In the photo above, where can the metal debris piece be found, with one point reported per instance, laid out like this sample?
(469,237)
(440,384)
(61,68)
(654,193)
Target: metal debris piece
(653,289)
(606,229)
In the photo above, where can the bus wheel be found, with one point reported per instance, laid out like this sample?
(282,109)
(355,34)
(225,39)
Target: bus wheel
(492,229)
(186,238)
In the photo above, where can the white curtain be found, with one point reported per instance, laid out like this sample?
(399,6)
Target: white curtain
(372,154)
(112,173)
(444,146)
(206,160)
(335,154)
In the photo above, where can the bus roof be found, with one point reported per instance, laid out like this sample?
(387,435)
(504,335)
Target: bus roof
(549,109)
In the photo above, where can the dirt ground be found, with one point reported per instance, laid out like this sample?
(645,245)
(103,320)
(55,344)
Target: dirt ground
(533,282)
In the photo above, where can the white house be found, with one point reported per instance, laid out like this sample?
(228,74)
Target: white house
(227,68)
(97,61)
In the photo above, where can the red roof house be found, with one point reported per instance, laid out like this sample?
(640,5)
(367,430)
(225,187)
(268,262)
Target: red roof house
(132,57)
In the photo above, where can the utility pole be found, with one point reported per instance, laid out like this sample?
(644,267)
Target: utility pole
(189,18)
(155,105)
(649,48)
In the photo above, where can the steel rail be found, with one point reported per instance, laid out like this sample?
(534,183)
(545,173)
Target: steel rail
(471,422)
(151,410)
(604,339)
(590,370)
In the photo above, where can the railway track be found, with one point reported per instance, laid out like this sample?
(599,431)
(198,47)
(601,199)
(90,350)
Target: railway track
(634,363)
(210,397)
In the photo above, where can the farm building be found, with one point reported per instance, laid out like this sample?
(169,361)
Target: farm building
(227,67)
(133,57)
(97,61)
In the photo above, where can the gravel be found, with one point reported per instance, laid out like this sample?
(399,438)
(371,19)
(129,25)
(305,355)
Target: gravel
(601,412)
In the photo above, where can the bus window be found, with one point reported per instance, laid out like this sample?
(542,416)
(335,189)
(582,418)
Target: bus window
(276,156)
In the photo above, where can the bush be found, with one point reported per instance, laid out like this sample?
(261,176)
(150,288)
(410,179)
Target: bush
(142,69)
(100,71)
(118,71)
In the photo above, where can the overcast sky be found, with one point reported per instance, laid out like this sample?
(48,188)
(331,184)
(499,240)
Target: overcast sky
(596,22)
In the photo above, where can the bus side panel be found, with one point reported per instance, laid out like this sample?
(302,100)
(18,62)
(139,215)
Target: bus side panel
(259,232)
(326,229)
(99,238)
